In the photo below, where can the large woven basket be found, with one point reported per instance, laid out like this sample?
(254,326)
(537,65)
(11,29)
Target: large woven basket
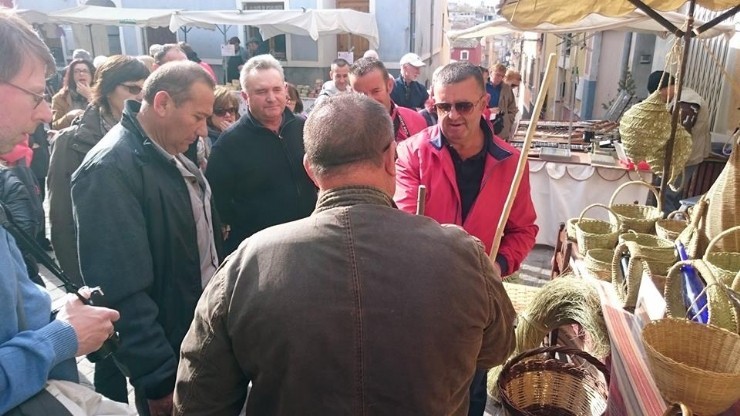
(637,217)
(670,228)
(592,233)
(722,311)
(627,285)
(598,261)
(645,129)
(659,253)
(725,266)
(698,365)
(548,387)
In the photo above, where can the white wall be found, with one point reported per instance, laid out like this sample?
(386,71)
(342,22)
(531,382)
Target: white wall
(608,71)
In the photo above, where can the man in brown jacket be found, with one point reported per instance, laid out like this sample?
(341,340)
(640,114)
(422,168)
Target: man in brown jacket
(358,309)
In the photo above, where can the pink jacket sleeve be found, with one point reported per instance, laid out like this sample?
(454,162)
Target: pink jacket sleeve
(407,177)
(520,231)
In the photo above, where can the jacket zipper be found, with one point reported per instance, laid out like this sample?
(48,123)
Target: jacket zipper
(286,152)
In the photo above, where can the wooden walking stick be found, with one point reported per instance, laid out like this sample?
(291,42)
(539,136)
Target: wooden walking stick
(523,156)
(421,199)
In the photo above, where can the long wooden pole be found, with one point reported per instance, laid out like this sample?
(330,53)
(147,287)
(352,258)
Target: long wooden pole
(549,71)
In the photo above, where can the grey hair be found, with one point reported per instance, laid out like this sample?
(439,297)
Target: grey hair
(18,41)
(334,142)
(176,79)
(162,53)
(458,72)
(259,63)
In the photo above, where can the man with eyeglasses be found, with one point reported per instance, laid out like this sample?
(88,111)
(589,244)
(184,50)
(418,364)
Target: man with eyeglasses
(369,76)
(467,172)
(35,347)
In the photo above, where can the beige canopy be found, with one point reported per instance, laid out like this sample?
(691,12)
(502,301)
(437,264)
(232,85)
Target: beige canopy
(526,14)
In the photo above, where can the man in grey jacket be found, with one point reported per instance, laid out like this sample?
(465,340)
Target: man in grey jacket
(358,309)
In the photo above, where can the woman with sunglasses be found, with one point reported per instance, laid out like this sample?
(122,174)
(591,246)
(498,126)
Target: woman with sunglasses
(225,113)
(119,78)
(75,94)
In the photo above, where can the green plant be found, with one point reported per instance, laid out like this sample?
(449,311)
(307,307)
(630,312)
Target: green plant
(626,84)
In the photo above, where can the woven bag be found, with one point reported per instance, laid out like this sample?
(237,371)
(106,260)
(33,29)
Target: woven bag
(724,200)
(722,311)
(532,384)
(694,236)
(637,217)
(645,129)
(724,265)
(592,233)
(627,285)
(598,261)
(669,228)
(659,253)
(698,365)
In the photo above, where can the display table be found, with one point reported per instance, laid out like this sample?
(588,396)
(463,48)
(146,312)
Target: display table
(562,190)
(632,391)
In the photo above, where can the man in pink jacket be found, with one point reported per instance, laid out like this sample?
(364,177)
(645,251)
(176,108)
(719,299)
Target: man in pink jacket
(467,172)
(466,169)
(369,76)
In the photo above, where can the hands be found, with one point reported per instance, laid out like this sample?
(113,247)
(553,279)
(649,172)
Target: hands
(84,90)
(92,324)
(225,230)
(223,125)
(73,114)
(161,407)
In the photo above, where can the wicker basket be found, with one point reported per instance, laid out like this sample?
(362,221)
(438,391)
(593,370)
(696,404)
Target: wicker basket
(725,266)
(549,387)
(722,311)
(598,261)
(669,228)
(627,286)
(636,217)
(698,365)
(592,233)
(659,253)
(570,229)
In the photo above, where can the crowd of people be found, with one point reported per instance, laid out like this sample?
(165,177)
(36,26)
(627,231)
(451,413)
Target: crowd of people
(273,255)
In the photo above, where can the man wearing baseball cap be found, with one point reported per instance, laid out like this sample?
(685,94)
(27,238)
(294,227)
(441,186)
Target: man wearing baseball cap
(407,91)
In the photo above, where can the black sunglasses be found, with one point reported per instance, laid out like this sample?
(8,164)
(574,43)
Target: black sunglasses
(222,111)
(37,98)
(132,89)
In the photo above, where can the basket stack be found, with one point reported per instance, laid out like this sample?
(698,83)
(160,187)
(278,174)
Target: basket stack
(698,365)
(636,217)
(670,227)
(532,384)
(592,233)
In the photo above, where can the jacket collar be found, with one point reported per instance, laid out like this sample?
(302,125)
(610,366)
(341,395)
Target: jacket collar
(497,152)
(249,120)
(350,196)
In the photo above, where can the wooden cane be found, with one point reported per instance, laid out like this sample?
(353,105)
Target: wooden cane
(523,156)
(421,200)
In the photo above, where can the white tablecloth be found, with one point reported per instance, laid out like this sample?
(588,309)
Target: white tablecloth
(561,191)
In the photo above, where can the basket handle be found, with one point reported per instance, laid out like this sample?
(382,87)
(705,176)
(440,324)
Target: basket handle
(557,349)
(626,184)
(678,409)
(614,214)
(720,236)
(681,213)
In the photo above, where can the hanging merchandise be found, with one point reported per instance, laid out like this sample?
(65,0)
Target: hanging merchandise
(645,129)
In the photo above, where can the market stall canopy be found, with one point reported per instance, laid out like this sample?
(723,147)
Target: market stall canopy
(313,23)
(635,21)
(32,16)
(527,14)
(109,16)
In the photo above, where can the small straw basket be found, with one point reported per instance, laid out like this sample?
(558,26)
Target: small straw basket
(640,218)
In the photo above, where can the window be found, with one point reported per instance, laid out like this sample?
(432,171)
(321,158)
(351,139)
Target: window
(276,44)
(464,55)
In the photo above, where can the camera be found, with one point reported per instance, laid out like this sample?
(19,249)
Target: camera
(110,346)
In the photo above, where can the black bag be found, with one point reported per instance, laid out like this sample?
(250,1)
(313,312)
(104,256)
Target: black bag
(498,123)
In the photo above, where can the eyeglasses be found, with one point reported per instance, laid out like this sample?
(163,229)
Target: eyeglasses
(79,71)
(463,107)
(37,98)
(132,89)
(222,111)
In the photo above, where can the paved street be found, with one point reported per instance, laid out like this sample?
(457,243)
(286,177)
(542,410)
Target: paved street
(535,271)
